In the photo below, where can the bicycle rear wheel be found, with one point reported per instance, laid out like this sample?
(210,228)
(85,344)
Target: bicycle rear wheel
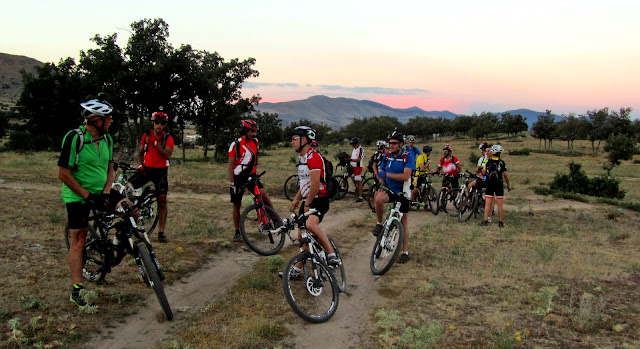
(291,187)
(338,270)
(366,191)
(387,248)
(312,294)
(257,234)
(154,279)
(432,196)
(343,187)
(94,267)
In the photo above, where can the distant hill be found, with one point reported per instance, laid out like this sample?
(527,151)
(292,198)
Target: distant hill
(10,78)
(338,112)
(532,116)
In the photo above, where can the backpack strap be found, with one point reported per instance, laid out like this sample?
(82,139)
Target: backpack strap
(79,146)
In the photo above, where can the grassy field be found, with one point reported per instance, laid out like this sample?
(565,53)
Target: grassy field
(554,277)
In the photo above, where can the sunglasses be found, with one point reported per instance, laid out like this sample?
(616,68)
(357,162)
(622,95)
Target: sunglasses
(393,142)
(160,122)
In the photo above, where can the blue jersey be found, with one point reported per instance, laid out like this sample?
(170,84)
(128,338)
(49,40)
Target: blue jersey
(413,150)
(396,164)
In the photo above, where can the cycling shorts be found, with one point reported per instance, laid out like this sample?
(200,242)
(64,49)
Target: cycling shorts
(240,181)
(495,189)
(357,173)
(404,206)
(78,212)
(158,176)
(320,204)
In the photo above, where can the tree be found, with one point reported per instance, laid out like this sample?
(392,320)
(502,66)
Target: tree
(484,124)
(270,129)
(620,147)
(462,124)
(512,124)
(598,130)
(545,128)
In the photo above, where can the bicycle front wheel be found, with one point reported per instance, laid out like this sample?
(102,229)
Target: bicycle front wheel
(94,258)
(291,187)
(154,279)
(464,207)
(432,197)
(312,292)
(338,270)
(343,187)
(372,197)
(453,197)
(387,248)
(256,223)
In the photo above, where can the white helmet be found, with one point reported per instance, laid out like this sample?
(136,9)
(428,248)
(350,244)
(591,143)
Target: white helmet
(497,149)
(304,131)
(381,144)
(96,107)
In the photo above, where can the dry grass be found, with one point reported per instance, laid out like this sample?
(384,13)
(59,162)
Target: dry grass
(472,281)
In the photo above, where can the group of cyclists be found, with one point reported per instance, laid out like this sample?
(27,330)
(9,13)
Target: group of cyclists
(86,169)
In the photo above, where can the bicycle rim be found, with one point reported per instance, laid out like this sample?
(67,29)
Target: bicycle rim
(338,270)
(291,187)
(343,187)
(387,248)
(94,266)
(433,200)
(464,207)
(154,279)
(371,198)
(257,234)
(314,295)
(366,190)
(149,215)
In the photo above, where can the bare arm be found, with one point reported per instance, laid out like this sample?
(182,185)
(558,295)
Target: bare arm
(401,177)
(506,180)
(141,156)
(231,163)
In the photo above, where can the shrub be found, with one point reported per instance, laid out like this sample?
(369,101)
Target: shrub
(21,140)
(578,182)
(473,158)
(524,151)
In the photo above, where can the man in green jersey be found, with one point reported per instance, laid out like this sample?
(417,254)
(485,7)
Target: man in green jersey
(87,176)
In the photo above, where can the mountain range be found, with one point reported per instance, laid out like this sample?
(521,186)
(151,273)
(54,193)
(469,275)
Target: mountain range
(10,78)
(338,112)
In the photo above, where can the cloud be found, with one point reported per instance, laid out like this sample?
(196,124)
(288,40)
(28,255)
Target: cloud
(276,84)
(352,89)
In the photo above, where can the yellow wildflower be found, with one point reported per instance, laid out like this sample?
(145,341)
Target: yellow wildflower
(518,339)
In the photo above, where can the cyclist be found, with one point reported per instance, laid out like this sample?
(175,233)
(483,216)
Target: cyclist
(411,148)
(422,169)
(395,171)
(156,149)
(86,171)
(357,155)
(450,165)
(484,149)
(494,170)
(313,191)
(376,158)
(243,161)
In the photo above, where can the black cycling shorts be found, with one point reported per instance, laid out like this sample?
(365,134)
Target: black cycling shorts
(240,182)
(320,204)
(78,213)
(495,189)
(158,176)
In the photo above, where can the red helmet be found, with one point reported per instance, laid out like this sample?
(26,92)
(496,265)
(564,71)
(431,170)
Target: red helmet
(447,147)
(249,125)
(159,116)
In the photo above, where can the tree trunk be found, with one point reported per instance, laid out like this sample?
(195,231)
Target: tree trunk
(184,157)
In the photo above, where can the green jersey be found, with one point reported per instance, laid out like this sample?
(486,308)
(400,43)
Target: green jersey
(92,168)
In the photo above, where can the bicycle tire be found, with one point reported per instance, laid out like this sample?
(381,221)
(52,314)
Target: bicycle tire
(451,197)
(265,244)
(154,279)
(433,200)
(338,270)
(94,258)
(291,187)
(372,197)
(464,208)
(149,215)
(309,297)
(474,206)
(343,187)
(385,253)
(366,190)
(441,200)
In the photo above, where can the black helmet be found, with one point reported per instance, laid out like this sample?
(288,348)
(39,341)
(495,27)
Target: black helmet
(304,131)
(426,148)
(397,135)
(354,140)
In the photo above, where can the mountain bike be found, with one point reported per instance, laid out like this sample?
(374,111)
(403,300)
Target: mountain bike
(102,253)
(388,243)
(291,187)
(257,222)
(343,184)
(427,194)
(313,292)
(148,211)
(447,194)
(472,203)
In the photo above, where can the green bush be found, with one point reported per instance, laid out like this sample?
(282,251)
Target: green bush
(578,182)
(21,140)
(473,158)
(524,151)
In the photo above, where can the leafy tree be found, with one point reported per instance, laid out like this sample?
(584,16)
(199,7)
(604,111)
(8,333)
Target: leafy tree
(512,124)
(270,129)
(571,128)
(462,124)
(484,124)
(620,147)
(4,123)
(545,128)
(598,130)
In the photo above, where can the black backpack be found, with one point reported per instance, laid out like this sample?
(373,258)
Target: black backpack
(329,182)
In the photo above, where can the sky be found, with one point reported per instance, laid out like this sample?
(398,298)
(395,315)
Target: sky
(461,56)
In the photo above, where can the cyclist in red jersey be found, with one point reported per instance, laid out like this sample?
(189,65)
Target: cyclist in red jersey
(243,161)
(313,191)
(156,149)
(450,165)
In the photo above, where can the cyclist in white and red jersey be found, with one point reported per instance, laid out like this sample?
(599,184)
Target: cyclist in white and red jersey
(357,156)
(450,165)
(313,191)
(243,160)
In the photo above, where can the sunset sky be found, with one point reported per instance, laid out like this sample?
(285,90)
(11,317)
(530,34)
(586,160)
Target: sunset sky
(462,56)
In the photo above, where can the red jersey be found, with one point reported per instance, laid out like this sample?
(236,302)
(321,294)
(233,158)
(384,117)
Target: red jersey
(247,156)
(449,166)
(152,157)
(311,161)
